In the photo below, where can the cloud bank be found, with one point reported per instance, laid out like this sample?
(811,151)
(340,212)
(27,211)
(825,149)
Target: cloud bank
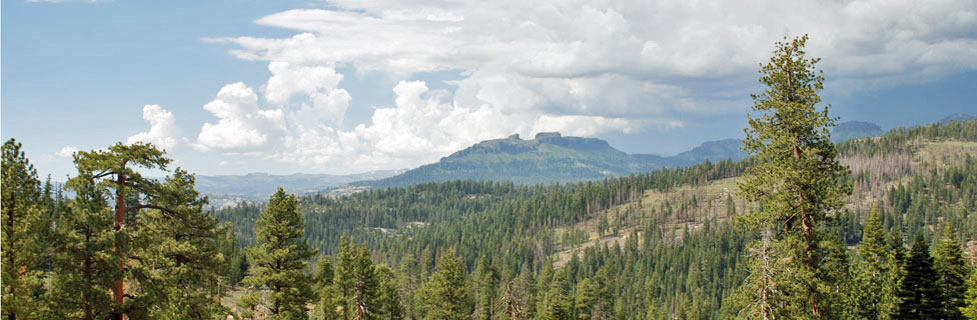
(580,67)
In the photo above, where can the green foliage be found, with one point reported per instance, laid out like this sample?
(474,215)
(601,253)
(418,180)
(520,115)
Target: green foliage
(180,249)
(970,310)
(796,177)
(919,297)
(952,270)
(278,258)
(445,295)
(877,272)
(21,224)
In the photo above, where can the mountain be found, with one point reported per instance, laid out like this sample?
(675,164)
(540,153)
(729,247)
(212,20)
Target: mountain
(551,157)
(260,185)
(854,130)
(959,116)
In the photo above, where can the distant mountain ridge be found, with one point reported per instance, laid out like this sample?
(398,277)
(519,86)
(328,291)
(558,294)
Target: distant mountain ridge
(855,130)
(551,157)
(259,186)
(959,116)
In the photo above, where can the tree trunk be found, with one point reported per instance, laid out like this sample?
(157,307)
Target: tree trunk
(118,292)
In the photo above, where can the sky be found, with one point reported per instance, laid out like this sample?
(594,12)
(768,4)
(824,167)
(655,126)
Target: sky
(341,87)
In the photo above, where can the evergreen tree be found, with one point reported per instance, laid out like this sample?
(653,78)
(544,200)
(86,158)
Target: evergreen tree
(952,270)
(86,262)
(919,296)
(116,169)
(796,177)
(970,310)
(388,304)
(279,257)
(21,224)
(181,258)
(874,288)
(445,296)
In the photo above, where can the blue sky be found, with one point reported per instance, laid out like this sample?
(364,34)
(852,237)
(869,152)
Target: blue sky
(231,87)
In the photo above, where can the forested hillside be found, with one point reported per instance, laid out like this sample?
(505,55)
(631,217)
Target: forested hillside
(665,234)
(802,229)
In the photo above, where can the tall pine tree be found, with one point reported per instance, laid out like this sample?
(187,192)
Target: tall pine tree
(797,179)
(278,258)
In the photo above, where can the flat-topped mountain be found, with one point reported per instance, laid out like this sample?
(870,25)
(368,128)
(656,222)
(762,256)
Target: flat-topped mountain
(854,130)
(551,157)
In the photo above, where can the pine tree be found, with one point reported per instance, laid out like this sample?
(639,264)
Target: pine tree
(874,290)
(388,304)
(279,257)
(919,296)
(86,262)
(796,177)
(952,270)
(444,293)
(180,252)
(21,224)
(970,310)
(115,169)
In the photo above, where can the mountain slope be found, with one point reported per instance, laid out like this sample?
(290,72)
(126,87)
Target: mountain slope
(551,157)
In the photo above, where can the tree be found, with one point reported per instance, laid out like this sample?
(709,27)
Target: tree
(952,270)
(85,263)
(919,296)
(970,310)
(761,295)
(445,291)
(116,169)
(180,254)
(279,257)
(21,224)
(875,276)
(796,177)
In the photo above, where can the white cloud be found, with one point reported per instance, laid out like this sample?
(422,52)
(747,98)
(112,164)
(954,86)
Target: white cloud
(163,132)
(66,152)
(242,127)
(580,67)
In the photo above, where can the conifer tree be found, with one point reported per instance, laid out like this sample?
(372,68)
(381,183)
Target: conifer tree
(279,257)
(388,304)
(952,270)
(445,295)
(180,256)
(21,223)
(919,296)
(970,309)
(796,177)
(875,286)
(85,263)
(115,169)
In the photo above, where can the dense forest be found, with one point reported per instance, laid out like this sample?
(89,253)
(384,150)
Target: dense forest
(877,228)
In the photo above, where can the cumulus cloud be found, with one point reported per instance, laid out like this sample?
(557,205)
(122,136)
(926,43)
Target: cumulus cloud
(242,126)
(580,67)
(163,131)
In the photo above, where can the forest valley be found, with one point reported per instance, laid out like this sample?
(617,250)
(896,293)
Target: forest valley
(874,228)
